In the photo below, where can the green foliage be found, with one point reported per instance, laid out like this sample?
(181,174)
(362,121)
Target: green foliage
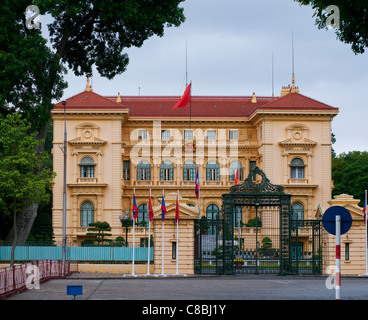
(28,67)
(119,242)
(353,20)
(19,161)
(252,223)
(98,232)
(350,174)
(96,32)
(266,243)
(22,179)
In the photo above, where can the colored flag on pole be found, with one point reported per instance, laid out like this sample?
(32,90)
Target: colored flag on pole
(177,207)
(150,210)
(135,208)
(236,177)
(163,206)
(184,100)
(197,183)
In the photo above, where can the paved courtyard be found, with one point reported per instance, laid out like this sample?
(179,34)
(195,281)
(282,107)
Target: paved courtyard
(237,287)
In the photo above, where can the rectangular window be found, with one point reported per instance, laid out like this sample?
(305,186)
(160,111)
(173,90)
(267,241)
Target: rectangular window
(347,251)
(297,173)
(233,134)
(212,174)
(165,134)
(188,134)
(211,135)
(189,174)
(126,170)
(142,134)
(173,250)
(166,174)
(143,174)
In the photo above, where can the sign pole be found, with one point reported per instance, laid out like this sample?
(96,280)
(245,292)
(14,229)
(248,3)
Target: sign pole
(133,274)
(338,259)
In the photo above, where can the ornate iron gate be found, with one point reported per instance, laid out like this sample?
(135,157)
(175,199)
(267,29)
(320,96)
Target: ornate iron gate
(266,240)
(306,247)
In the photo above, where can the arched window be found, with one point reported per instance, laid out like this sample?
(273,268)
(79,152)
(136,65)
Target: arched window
(87,214)
(212,212)
(142,213)
(143,171)
(297,214)
(167,171)
(213,171)
(189,171)
(87,168)
(232,170)
(297,168)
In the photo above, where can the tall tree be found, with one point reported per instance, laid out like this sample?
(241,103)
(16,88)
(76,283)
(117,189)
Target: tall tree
(350,174)
(19,160)
(353,17)
(82,34)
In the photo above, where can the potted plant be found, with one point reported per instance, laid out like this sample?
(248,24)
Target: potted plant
(238,263)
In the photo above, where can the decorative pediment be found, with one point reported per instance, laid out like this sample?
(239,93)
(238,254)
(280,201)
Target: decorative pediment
(257,182)
(82,141)
(297,135)
(185,211)
(300,143)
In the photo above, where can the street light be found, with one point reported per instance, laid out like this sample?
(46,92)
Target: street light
(125,223)
(64,194)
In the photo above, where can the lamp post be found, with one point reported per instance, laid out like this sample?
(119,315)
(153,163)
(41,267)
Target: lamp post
(64,195)
(125,222)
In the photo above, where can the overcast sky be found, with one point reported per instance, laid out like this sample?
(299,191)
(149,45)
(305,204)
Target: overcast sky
(229,52)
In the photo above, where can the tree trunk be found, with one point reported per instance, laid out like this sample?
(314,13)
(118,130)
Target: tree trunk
(24,222)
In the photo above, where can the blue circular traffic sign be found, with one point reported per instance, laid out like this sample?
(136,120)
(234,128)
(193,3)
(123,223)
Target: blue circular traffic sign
(329,219)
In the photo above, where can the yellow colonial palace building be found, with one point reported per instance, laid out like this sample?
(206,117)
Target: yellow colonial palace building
(118,145)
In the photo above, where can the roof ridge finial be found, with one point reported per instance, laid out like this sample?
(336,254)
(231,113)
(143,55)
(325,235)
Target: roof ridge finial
(118,98)
(88,86)
(254,98)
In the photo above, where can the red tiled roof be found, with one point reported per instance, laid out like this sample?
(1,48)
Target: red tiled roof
(201,106)
(89,100)
(296,101)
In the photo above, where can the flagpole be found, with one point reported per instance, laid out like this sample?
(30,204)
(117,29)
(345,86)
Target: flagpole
(177,238)
(133,245)
(163,235)
(149,240)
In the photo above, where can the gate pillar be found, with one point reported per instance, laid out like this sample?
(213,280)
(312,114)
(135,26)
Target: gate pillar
(187,216)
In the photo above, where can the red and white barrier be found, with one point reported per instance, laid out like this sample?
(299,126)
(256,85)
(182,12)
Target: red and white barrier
(14,279)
